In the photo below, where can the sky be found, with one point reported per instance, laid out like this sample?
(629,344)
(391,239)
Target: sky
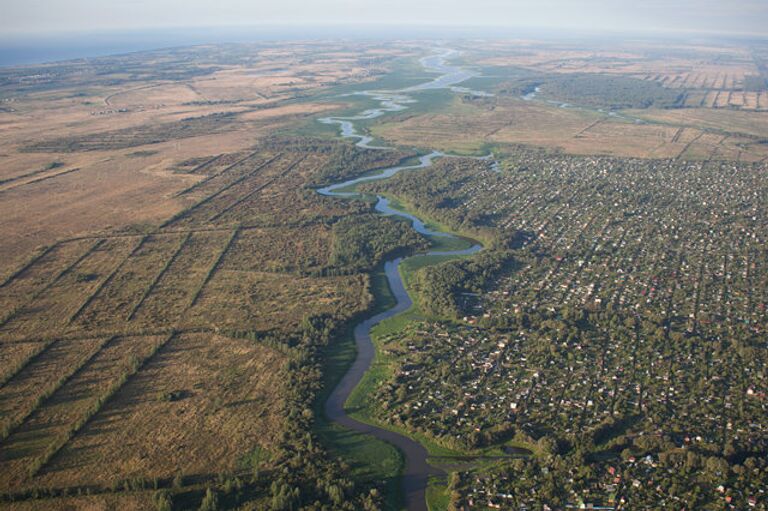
(712,16)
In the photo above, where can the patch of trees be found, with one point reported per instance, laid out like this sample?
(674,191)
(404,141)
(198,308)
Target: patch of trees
(362,241)
(437,192)
(298,144)
(519,87)
(308,478)
(755,83)
(613,92)
(439,287)
(305,476)
(347,161)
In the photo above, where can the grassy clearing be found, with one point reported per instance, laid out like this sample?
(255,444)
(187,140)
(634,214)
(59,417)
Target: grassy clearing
(180,413)
(50,309)
(473,127)
(438,495)
(12,473)
(438,121)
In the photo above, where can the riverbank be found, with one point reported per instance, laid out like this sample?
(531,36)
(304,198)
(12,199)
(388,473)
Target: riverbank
(372,461)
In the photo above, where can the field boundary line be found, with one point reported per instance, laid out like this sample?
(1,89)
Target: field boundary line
(212,176)
(107,280)
(39,179)
(94,410)
(53,282)
(689,144)
(28,264)
(159,276)
(209,198)
(257,189)
(47,393)
(213,268)
(41,349)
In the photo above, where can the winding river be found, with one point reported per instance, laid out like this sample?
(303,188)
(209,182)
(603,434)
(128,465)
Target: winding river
(417,470)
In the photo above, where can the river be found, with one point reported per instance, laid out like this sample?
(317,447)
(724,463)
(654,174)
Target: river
(417,470)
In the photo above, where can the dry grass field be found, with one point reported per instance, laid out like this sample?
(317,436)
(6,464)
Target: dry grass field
(667,100)
(677,133)
(105,135)
(105,502)
(306,248)
(747,123)
(115,364)
(229,404)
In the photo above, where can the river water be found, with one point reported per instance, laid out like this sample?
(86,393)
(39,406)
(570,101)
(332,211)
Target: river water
(417,470)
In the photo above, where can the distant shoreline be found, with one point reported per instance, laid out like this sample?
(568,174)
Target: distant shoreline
(35,50)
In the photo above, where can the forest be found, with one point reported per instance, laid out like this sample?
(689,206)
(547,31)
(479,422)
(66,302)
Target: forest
(611,92)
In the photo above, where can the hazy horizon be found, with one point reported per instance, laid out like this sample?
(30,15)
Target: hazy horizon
(39,31)
(738,17)
(53,46)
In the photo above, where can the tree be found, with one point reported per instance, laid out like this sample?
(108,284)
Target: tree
(163,501)
(210,501)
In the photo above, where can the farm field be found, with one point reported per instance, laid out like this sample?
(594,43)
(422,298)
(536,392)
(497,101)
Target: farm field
(723,75)
(101,141)
(106,335)
(636,100)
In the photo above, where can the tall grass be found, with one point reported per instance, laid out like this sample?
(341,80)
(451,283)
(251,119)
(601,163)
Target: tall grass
(133,366)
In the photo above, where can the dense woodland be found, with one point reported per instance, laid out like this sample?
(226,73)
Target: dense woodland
(442,288)
(613,92)
(609,92)
(360,241)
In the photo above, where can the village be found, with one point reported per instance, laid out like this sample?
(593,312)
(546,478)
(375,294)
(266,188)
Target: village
(628,337)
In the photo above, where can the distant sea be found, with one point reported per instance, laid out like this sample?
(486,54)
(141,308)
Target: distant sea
(42,48)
